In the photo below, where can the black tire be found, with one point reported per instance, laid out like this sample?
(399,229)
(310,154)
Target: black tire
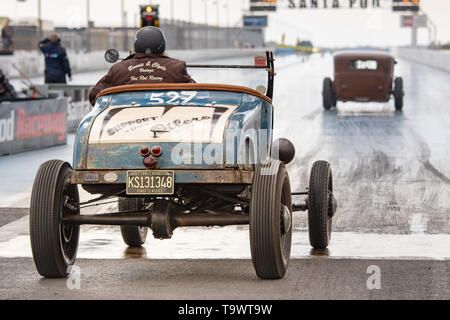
(133,236)
(320,210)
(270,238)
(54,245)
(327,93)
(398,93)
(333,95)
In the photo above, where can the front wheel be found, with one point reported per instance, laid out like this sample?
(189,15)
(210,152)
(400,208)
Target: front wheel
(321,205)
(53,244)
(271,220)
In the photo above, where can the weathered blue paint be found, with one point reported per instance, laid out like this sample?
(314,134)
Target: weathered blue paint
(174,155)
(81,139)
(251,115)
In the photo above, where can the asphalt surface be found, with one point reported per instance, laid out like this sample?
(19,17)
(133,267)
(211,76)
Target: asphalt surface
(8,215)
(391,180)
(316,278)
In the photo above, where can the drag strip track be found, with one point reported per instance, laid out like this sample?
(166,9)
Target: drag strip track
(391,180)
(229,279)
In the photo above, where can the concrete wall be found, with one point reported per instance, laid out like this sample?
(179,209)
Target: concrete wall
(434,58)
(179,35)
(32,62)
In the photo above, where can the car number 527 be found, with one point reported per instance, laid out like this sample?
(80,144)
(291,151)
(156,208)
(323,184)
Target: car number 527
(172,97)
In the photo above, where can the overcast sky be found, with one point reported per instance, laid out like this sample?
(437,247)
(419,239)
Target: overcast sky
(325,27)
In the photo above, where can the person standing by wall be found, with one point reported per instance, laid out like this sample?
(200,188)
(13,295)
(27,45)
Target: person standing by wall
(7,41)
(57,64)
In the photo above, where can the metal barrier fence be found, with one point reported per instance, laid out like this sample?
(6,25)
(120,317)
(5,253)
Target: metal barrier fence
(78,104)
(179,34)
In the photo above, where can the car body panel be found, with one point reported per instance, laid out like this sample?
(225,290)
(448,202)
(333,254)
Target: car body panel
(355,83)
(110,137)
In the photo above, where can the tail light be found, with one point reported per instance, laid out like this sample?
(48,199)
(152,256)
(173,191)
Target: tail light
(156,151)
(150,162)
(145,151)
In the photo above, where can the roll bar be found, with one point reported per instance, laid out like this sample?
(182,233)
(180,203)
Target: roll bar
(269,67)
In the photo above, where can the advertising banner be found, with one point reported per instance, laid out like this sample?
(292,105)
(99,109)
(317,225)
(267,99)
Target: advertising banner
(32,124)
(255,21)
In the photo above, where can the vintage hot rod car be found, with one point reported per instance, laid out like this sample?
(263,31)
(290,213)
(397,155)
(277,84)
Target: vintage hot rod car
(179,155)
(363,77)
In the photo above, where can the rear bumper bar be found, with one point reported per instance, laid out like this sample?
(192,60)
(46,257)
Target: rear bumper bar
(181,176)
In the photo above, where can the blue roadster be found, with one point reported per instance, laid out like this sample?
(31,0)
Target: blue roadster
(179,155)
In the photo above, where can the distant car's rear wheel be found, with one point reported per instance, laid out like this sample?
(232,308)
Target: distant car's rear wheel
(321,205)
(53,244)
(133,236)
(333,94)
(271,220)
(327,94)
(398,93)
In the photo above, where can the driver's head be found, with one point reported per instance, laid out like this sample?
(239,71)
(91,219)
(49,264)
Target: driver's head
(150,40)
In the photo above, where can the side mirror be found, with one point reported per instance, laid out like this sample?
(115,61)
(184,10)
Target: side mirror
(261,89)
(112,55)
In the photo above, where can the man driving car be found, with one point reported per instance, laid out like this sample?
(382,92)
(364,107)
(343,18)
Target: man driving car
(148,64)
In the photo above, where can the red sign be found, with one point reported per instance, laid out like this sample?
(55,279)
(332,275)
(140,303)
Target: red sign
(260,61)
(407,21)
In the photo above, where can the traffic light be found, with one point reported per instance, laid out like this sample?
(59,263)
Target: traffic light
(406,5)
(149,16)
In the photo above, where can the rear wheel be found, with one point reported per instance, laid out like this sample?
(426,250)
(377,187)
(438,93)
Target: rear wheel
(271,220)
(327,94)
(133,236)
(54,245)
(398,93)
(321,205)
(333,94)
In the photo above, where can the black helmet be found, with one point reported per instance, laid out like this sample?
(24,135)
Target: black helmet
(150,40)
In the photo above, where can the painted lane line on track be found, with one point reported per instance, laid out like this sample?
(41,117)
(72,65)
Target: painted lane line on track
(233,243)
(18,200)
(15,228)
(419,223)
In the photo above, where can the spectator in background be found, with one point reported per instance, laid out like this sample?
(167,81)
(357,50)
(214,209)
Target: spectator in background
(57,64)
(7,34)
(6,89)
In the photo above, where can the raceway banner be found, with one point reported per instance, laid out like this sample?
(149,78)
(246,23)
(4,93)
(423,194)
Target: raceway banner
(32,124)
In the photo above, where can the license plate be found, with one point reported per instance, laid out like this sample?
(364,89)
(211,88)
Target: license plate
(150,182)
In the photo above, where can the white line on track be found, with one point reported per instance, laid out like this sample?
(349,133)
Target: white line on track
(419,223)
(232,243)
(18,200)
